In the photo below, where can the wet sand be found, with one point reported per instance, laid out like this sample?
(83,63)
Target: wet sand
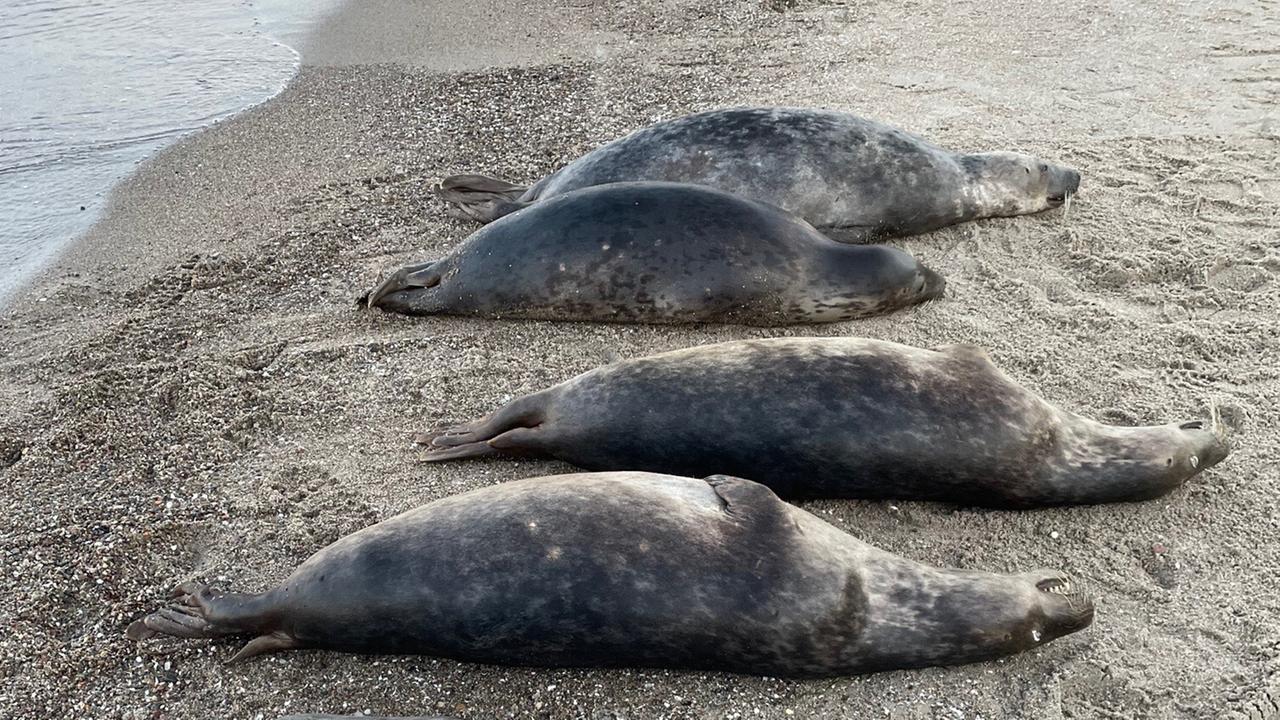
(192,391)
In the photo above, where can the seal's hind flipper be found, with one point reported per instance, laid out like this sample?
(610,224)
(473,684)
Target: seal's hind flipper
(468,183)
(198,611)
(424,276)
(176,620)
(509,429)
(481,198)
(461,452)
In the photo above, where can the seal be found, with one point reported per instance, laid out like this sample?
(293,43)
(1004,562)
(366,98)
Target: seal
(841,418)
(659,253)
(852,178)
(633,569)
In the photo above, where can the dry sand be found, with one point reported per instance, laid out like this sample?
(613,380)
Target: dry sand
(192,392)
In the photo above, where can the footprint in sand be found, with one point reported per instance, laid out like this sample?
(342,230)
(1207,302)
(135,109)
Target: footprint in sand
(1242,278)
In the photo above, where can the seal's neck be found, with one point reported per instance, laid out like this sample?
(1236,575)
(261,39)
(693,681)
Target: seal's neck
(997,187)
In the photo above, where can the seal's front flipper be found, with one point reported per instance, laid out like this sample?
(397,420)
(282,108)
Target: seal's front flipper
(854,234)
(479,197)
(743,498)
(426,275)
(271,642)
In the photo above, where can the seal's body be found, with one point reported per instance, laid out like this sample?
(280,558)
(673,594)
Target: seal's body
(659,253)
(852,178)
(633,569)
(840,417)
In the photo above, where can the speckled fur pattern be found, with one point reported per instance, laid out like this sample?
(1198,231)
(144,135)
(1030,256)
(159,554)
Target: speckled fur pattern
(842,417)
(853,178)
(659,253)
(637,569)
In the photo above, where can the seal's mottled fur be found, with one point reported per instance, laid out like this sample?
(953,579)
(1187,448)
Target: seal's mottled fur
(659,253)
(633,569)
(841,417)
(852,178)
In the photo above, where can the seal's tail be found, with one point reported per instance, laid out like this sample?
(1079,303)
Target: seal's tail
(197,611)
(481,198)
(513,429)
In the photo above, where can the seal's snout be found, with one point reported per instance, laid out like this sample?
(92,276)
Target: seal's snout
(929,284)
(1063,182)
(1208,443)
(1066,606)
(1073,181)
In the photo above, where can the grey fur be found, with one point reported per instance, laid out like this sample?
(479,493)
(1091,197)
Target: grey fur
(636,569)
(660,253)
(841,417)
(852,178)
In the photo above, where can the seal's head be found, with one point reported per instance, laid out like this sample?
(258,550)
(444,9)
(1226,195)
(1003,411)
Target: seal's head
(936,617)
(1196,445)
(890,278)
(1061,607)
(1004,184)
(1096,463)
(1014,613)
(927,284)
(914,282)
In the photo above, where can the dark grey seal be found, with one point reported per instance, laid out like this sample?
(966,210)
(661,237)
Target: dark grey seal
(659,253)
(842,418)
(633,569)
(854,179)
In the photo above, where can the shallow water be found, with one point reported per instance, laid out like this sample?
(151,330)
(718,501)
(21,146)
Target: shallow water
(90,89)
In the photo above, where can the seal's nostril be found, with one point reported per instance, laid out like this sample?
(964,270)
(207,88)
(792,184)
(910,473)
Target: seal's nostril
(1193,425)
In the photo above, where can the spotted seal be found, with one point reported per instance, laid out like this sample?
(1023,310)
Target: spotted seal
(633,569)
(841,417)
(852,178)
(659,253)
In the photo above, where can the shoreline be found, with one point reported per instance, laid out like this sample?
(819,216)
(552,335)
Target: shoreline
(75,152)
(190,391)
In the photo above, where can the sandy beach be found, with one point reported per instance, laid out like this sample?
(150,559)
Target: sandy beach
(192,391)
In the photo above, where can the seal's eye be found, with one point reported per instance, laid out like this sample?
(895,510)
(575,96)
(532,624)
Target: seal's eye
(1027,170)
